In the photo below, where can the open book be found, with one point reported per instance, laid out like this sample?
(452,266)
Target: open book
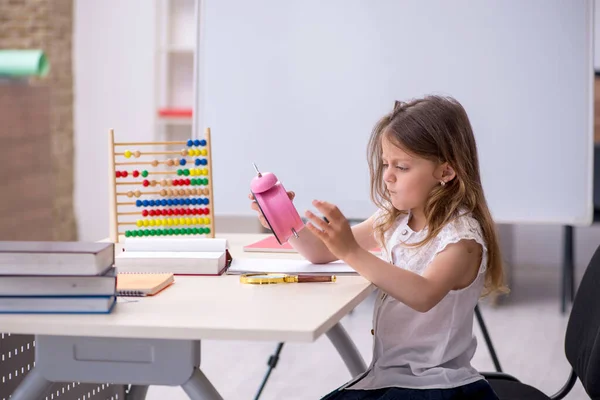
(271,245)
(284,266)
(179,256)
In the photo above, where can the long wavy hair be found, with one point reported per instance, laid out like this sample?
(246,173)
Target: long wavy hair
(438,129)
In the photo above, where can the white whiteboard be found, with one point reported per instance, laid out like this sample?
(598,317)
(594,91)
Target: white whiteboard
(297,85)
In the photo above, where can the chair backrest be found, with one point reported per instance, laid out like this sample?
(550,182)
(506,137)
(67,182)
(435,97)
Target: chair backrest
(597,176)
(582,341)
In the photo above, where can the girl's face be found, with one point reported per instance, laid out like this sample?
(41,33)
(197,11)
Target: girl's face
(408,179)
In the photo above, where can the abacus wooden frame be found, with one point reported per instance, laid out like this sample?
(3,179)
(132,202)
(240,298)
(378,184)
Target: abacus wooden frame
(114,233)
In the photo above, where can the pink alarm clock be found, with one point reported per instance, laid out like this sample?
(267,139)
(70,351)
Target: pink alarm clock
(276,206)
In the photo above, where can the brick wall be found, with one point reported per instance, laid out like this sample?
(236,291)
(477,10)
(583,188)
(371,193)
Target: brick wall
(42,119)
(25,170)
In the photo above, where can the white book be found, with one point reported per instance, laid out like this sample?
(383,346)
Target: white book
(35,305)
(55,258)
(59,285)
(175,262)
(179,256)
(174,244)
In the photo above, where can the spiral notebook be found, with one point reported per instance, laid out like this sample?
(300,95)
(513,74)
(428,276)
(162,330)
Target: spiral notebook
(142,284)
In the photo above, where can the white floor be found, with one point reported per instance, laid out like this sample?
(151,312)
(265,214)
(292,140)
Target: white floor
(527,330)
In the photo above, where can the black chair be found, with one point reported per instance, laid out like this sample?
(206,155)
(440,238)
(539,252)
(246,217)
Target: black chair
(582,346)
(568,265)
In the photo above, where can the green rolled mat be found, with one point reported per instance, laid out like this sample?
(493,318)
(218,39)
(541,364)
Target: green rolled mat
(20,63)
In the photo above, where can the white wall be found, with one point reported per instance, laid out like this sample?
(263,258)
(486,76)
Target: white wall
(114,88)
(542,246)
(304,71)
(114,78)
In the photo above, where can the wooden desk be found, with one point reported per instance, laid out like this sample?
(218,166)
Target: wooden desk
(156,340)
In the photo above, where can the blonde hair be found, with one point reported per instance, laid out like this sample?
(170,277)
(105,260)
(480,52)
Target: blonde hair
(438,129)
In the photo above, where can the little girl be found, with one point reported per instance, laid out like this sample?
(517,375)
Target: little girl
(440,254)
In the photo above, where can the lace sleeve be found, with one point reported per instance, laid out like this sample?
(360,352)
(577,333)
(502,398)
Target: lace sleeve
(464,228)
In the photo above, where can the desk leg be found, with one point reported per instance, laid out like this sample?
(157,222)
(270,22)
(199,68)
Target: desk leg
(198,387)
(347,349)
(137,392)
(34,386)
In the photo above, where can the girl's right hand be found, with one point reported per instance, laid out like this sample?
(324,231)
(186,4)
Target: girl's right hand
(261,217)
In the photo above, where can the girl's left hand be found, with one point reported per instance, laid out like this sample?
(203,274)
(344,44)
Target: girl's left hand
(337,234)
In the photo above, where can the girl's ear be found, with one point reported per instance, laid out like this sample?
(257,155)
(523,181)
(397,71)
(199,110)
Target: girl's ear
(446,173)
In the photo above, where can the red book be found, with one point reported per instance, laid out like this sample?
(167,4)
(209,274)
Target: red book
(270,245)
(175,112)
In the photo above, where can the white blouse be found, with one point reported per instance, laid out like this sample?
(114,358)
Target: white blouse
(425,350)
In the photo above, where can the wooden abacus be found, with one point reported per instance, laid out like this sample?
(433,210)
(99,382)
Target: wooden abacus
(183,205)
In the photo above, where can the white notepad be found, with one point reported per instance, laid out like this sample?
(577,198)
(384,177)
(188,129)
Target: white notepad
(270,265)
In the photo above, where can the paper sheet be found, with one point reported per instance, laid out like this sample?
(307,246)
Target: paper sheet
(270,265)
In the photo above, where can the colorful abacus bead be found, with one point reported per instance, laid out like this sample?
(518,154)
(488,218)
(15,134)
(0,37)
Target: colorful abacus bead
(169,231)
(144,174)
(136,173)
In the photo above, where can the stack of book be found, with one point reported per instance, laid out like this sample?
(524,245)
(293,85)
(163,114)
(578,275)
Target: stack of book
(57,277)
